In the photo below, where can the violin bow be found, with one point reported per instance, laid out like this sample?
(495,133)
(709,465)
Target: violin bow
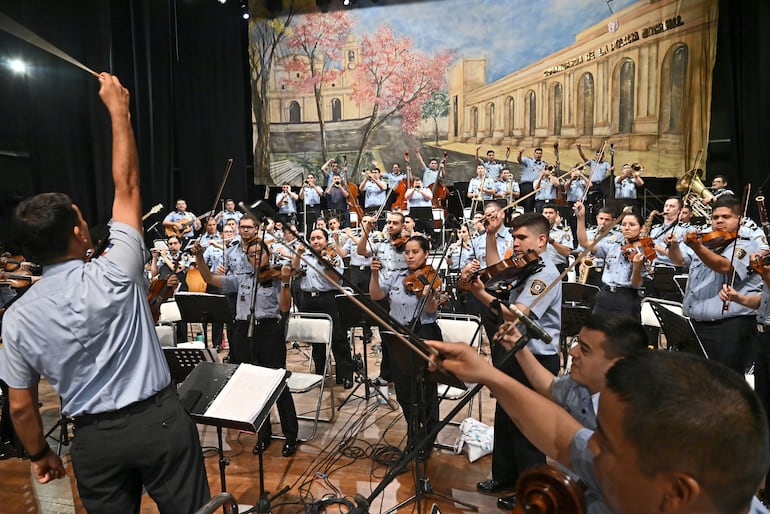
(731,280)
(599,236)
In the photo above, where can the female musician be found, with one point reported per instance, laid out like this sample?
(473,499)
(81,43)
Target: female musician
(624,272)
(460,252)
(269,349)
(317,294)
(404,306)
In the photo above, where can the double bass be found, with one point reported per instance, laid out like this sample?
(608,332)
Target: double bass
(439,190)
(353,204)
(400,190)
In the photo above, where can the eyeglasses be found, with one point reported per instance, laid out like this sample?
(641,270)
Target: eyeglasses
(247,227)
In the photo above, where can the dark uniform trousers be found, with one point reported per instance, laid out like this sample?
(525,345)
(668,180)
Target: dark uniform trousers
(324,302)
(267,348)
(619,300)
(152,442)
(512,452)
(762,370)
(729,340)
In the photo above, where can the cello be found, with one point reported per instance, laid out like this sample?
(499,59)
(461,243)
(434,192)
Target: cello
(440,191)
(400,189)
(353,204)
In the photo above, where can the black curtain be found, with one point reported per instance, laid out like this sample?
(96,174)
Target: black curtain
(740,106)
(185,63)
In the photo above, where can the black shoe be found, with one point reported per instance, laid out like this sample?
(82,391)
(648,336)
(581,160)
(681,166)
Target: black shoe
(493,486)
(507,502)
(348,383)
(263,444)
(289,447)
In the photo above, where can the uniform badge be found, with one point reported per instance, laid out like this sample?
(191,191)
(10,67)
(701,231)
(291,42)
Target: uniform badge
(740,253)
(567,237)
(536,287)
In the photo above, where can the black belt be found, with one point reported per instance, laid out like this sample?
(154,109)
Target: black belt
(360,268)
(134,408)
(314,294)
(267,321)
(619,289)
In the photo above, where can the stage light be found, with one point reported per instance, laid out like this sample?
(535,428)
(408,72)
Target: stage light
(345,2)
(244,11)
(222,1)
(17,66)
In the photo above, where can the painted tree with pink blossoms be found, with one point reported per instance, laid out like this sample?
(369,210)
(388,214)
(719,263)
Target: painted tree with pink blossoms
(318,40)
(395,78)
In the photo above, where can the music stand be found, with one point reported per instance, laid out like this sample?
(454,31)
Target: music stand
(423,219)
(202,386)
(350,318)
(405,357)
(679,332)
(664,285)
(181,361)
(203,308)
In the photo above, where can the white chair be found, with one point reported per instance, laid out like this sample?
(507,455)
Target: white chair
(306,328)
(438,216)
(166,329)
(459,328)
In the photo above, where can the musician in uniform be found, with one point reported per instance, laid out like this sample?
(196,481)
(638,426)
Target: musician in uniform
(286,201)
(87,327)
(532,166)
(268,349)
(229,213)
(375,190)
(404,305)
(337,195)
(546,185)
(311,195)
(181,222)
(575,189)
(604,218)
(506,188)
(718,188)
(627,183)
(624,271)
(599,170)
(480,189)
(493,167)
(432,172)
(726,333)
(560,242)
(512,452)
(317,294)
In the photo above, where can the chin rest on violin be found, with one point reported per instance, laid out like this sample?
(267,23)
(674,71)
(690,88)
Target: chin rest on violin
(416,281)
(643,245)
(508,270)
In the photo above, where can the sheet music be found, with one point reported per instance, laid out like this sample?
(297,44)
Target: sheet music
(246,393)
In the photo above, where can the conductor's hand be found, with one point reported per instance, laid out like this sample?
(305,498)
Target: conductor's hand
(48,468)
(461,360)
(114,96)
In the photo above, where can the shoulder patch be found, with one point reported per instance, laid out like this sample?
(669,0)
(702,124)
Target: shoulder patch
(740,253)
(537,287)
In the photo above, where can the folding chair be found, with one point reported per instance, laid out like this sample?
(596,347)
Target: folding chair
(307,328)
(459,328)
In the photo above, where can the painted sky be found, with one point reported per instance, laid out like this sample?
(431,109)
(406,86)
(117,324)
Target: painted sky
(511,33)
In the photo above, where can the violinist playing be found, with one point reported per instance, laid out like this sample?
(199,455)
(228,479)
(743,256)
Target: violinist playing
(512,452)
(718,257)
(405,289)
(624,265)
(316,294)
(271,309)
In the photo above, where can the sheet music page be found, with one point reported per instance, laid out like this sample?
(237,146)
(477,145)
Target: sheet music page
(246,393)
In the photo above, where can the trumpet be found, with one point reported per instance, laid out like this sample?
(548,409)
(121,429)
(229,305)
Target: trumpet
(637,167)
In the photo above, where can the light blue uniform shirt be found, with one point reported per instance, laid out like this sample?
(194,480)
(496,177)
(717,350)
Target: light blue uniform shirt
(763,313)
(531,170)
(87,328)
(493,169)
(374,195)
(506,187)
(562,235)
(503,241)
(313,280)
(576,190)
(291,204)
(547,190)
(418,199)
(267,296)
(659,232)
(177,216)
(312,198)
(429,176)
(387,254)
(598,170)
(351,247)
(547,311)
(626,188)
(701,297)
(227,215)
(393,179)
(403,305)
(617,268)
(459,255)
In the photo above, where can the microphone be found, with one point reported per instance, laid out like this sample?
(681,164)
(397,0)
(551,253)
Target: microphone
(534,330)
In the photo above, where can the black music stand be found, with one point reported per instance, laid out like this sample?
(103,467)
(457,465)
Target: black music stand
(181,361)
(405,357)
(423,219)
(206,381)
(351,317)
(203,308)
(663,283)
(577,304)
(679,332)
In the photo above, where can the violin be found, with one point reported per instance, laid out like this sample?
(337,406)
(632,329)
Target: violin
(399,243)
(513,268)
(759,262)
(643,245)
(267,273)
(11,263)
(328,254)
(16,280)
(416,281)
(713,240)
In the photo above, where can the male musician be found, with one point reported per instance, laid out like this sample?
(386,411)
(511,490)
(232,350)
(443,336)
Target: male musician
(560,240)
(718,188)
(375,190)
(604,218)
(506,188)
(229,213)
(394,178)
(432,172)
(212,235)
(575,188)
(532,166)
(337,195)
(599,169)
(602,342)
(481,187)
(181,222)
(671,209)
(546,185)
(88,328)
(331,168)
(311,194)
(627,183)
(512,452)
(494,168)
(420,196)
(676,433)
(726,330)
(286,201)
